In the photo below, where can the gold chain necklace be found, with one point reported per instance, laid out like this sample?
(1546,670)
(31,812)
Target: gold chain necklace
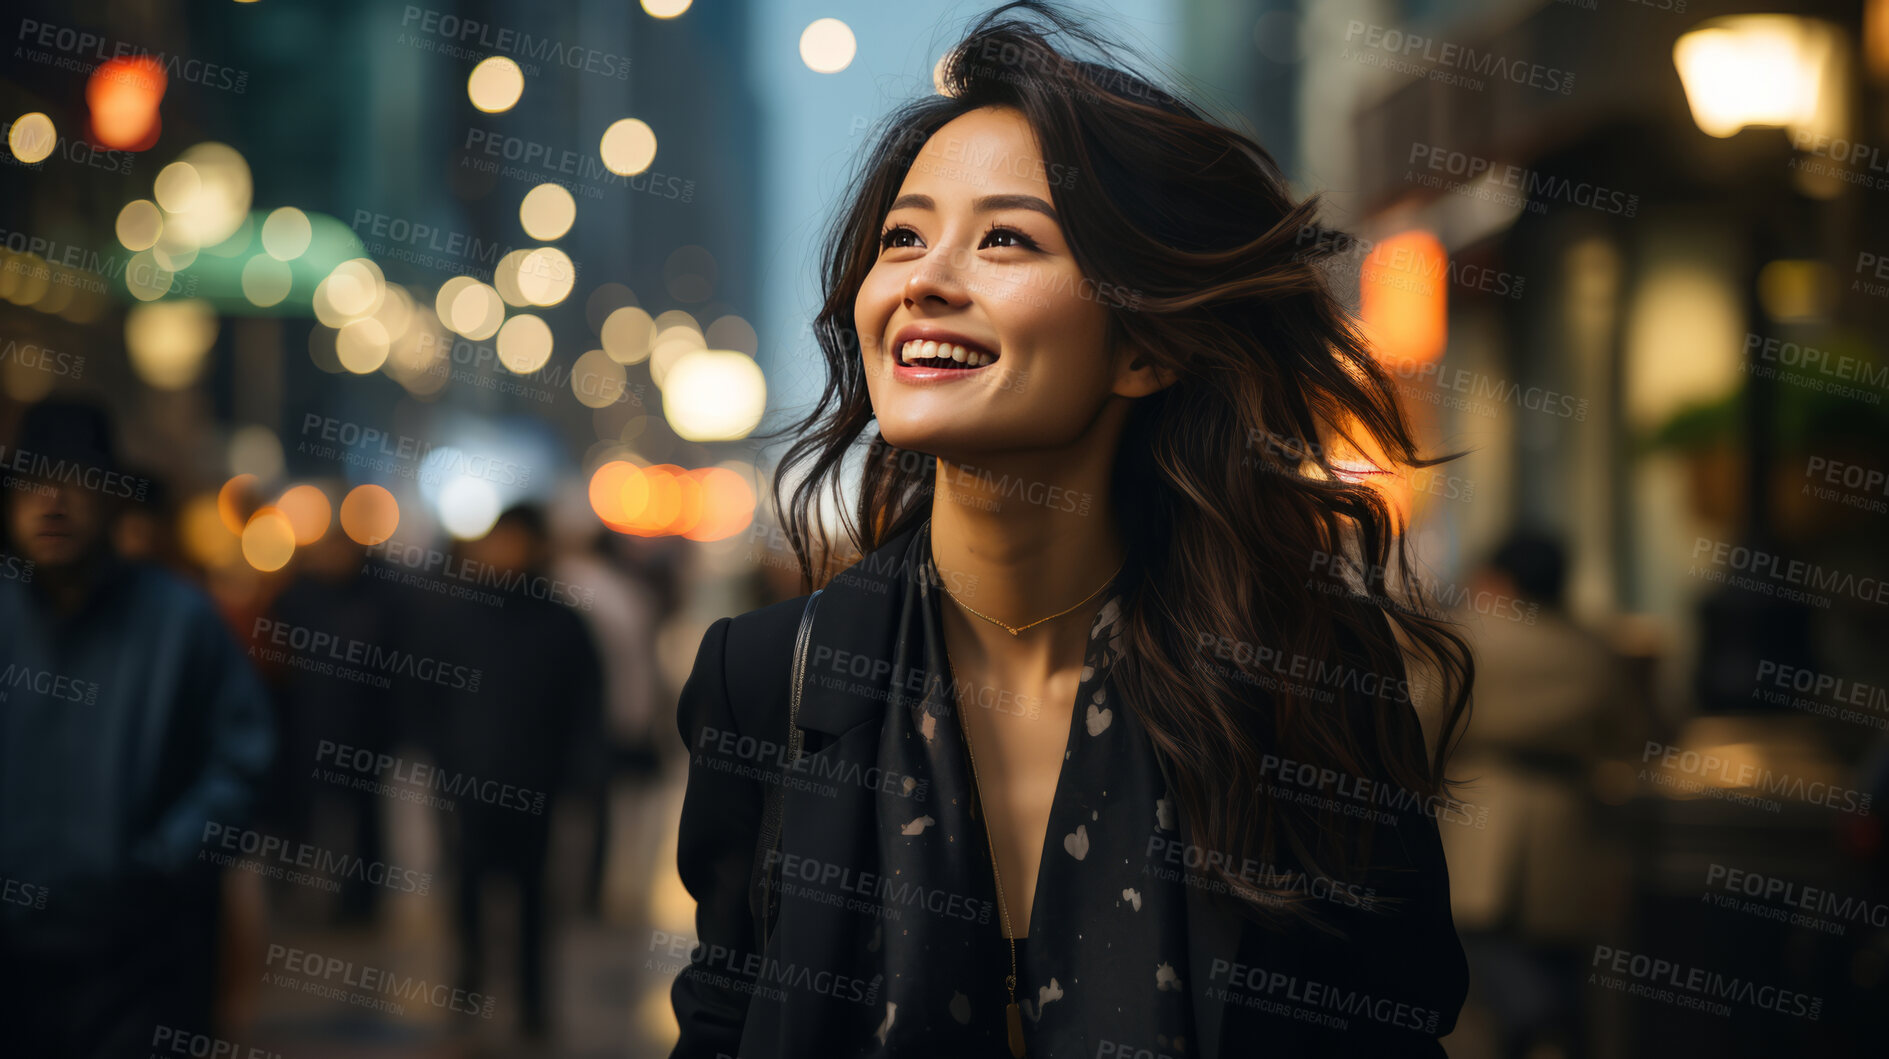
(1017,630)
(1013,1016)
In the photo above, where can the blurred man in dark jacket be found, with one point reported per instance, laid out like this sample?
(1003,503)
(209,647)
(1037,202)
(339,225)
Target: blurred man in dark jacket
(129,722)
(511,742)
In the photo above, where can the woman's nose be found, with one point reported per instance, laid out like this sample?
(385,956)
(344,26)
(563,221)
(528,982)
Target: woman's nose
(940,277)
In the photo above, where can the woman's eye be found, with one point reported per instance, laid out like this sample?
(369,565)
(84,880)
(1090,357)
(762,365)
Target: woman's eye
(1017,238)
(894,236)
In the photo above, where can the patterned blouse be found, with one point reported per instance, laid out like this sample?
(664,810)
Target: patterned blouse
(1107,941)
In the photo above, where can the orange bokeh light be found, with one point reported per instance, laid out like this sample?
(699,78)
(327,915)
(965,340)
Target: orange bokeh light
(269,540)
(234,502)
(369,514)
(664,504)
(206,537)
(633,494)
(123,95)
(606,493)
(308,511)
(1403,298)
(689,511)
(727,505)
(706,504)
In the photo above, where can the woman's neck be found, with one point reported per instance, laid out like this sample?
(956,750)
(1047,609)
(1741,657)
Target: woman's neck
(1019,541)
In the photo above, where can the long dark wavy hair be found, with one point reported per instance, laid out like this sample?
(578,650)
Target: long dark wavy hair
(1242,528)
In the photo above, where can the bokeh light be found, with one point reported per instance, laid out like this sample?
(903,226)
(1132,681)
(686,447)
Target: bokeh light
(32,138)
(468,507)
(418,359)
(547,212)
(307,509)
(628,334)
(732,332)
(369,514)
(234,500)
(727,505)
(827,46)
(354,289)
(448,293)
(495,85)
(123,96)
(167,341)
(286,233)
(628,147)
(321,350)
(269,540)
(177,186)
(597,380)
(524,344)
(145,279)
(362,345)
(608,485)
(672,344)
(256,452)
(204,536)
(139,224)
(663,504)
(396,310)
(212,201)
(646,501)
(665,8)
(477,311)
(714,395)
(175,249)
(546,276)
(266,281)
(505,278)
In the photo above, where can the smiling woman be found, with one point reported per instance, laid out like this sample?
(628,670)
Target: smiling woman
(1061,306)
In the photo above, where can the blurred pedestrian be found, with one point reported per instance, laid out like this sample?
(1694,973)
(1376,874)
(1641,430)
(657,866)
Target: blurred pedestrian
(1552,699)
(619,608)
(337,589)
(511,741)
(130,723)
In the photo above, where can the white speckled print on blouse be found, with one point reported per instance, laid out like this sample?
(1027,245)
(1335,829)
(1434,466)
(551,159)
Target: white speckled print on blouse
(1106,946)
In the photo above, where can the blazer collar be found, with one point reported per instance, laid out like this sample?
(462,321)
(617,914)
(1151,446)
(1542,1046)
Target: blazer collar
(855,631)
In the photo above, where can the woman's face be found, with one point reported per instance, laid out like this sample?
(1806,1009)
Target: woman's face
(972,255)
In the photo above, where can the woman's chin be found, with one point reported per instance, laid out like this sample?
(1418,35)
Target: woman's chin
(947,442)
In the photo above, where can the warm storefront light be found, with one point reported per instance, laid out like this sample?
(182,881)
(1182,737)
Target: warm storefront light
(1763,70)
(1403,298)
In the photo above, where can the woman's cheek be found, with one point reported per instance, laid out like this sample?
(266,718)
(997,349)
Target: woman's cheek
(868,304)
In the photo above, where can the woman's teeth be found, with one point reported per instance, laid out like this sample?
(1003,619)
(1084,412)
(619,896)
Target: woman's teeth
(943,352)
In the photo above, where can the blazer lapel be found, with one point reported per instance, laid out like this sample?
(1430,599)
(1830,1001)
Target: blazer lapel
(843,696)
(855,631)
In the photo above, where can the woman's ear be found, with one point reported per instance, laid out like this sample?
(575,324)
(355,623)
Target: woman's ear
(1138,373)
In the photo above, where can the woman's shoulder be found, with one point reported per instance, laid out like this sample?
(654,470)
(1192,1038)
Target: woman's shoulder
(764,631)
(752,655)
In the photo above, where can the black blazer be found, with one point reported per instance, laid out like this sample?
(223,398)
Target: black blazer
(1390,987)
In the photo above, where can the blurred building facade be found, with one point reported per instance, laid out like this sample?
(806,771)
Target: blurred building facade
(1623,256)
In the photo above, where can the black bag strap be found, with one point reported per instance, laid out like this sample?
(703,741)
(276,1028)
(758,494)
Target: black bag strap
(763,884)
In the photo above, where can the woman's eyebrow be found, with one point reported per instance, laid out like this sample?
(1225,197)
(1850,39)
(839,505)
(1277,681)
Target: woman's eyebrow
(986,204)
